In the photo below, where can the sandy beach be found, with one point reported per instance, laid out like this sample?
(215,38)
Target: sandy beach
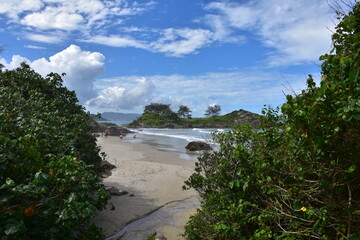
(153,180)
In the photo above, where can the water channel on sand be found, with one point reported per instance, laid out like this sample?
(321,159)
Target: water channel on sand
(148,225)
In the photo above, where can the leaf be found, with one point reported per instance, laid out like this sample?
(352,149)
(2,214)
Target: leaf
(245,186)
(14,228)
(351,168)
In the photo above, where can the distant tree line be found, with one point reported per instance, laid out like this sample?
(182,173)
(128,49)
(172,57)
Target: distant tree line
(182,112)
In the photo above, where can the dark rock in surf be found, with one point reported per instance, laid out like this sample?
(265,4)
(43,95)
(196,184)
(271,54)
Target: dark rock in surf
(197,146)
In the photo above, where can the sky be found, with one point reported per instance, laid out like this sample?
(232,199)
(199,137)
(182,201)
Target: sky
(121,55)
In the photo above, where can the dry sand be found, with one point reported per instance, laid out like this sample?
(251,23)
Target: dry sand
(153,179)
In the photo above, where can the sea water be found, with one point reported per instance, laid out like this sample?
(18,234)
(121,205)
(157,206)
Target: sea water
(173,140)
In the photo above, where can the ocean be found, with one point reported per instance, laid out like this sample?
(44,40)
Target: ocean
(173,140)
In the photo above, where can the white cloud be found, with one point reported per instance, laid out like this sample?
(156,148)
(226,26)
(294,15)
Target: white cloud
(178,42)
(82,17)
(81,68)
(70,14)
(297,31)
(53,18)
(46,38)
(117,97)
(12,8)
(173,42)
(116,41)
(15,62)
(34,47)
(247,89)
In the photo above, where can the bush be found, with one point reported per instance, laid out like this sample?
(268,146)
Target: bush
(49,162)
(298,177)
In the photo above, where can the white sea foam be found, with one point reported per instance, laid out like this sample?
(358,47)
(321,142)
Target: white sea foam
(186,137)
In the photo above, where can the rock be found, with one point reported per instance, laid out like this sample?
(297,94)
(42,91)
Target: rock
(107,166)
(116,131)
(113,129)
(115,191)
(197,145)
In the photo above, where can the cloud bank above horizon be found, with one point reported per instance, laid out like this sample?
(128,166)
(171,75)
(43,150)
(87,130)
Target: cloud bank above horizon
(131,93)
(171,49)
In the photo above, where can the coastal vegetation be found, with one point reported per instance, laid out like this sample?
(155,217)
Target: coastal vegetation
(298,177)
(49,161)
(161,115)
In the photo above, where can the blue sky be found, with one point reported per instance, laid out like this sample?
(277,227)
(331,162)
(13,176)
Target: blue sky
(120,55)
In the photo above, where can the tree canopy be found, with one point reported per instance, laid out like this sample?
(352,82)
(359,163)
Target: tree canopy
(299,176)
(184,112)
(213,110)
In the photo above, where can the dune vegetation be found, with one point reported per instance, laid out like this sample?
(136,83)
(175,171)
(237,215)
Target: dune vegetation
(49,161)
(299,176)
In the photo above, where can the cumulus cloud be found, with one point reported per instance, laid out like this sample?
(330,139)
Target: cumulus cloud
(14,63)
(117,97)
(81,68)
(248,89)
(53,18)
(294,37)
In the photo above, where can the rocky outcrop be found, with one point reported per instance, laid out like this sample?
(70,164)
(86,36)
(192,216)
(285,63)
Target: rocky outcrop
(117,130)
(113,130)
(197,146)
(247,117)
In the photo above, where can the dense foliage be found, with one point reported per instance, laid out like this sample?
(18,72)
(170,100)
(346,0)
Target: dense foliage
(299,176)
(49,162)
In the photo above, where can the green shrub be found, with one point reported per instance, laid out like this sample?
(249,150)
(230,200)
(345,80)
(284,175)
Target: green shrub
(298,177)
(49,162)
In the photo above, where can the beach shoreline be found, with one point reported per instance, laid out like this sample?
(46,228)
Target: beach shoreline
(153,180)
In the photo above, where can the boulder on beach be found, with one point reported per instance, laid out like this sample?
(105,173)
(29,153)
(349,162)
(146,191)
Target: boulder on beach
(116,131)
(197,146)
(107,166)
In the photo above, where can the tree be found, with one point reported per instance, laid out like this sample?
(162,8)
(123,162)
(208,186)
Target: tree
(298,176)
(163,110)
(50,185)
(184,112)
(213,110)
(159,108)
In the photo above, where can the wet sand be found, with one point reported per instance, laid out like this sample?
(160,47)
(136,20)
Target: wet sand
(153,180)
